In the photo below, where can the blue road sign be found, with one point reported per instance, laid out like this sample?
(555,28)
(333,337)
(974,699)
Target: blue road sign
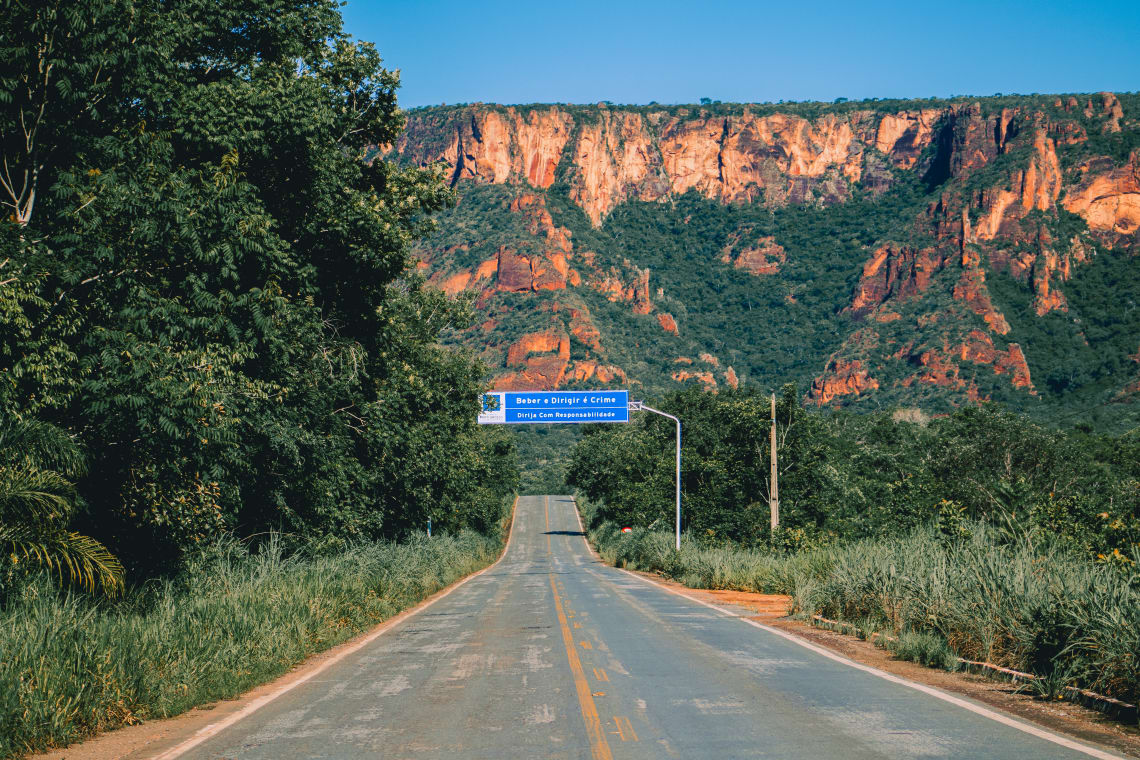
(567,407)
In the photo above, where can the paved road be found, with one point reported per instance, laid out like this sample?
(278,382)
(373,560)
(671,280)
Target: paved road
(551,654)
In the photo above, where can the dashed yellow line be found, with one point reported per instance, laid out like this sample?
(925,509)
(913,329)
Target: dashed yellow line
(599,747)
(624,729)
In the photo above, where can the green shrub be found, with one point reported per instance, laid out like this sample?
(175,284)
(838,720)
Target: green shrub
(927,649)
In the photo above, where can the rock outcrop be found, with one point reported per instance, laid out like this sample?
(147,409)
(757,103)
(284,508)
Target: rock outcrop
(841,378)
(542,359)
(586,370)
(620,286)
(1108,197)
(668,324)
(903,136)
(705,378)
(894,272)
(942,367)
(762,258)
(613,160)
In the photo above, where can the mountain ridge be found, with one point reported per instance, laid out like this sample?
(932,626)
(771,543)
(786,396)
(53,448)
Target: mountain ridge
(1024,191)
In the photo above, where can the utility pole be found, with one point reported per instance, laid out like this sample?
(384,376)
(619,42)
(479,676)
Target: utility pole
(774,491)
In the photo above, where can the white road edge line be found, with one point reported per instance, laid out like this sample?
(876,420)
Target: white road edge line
(214,729)
(985,712)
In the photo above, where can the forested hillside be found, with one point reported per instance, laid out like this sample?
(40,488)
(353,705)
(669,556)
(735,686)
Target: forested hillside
(932,253)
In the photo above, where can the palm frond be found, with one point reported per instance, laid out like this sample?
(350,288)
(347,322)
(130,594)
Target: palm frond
(81,559)
(42,445)
(32,495)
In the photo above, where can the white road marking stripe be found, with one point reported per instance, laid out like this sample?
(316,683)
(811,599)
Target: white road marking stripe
(1028,728)
(214,729)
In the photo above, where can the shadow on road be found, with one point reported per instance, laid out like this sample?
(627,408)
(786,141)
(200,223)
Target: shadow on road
(563,533)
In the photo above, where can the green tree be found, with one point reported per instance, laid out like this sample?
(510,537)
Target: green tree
(207,283)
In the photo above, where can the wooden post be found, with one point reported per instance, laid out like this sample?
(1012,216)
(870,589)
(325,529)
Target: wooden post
(774,491)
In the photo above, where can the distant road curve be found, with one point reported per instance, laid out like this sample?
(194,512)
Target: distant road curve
(551,654)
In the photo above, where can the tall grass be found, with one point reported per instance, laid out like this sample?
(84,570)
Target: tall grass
(1019,600)
(70,667)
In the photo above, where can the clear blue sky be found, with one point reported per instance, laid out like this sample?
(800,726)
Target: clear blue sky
(638,51)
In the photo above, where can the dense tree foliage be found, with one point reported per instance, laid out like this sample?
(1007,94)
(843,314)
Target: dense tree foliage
(846,475)
(205,284)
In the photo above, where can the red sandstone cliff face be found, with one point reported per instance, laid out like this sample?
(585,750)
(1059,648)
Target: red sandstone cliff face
(541,361)
(613,160)
(621,154)
(490,144)
(841,378)
(974,227)
(542,357)
(617,155)
(1108,197)
(905,135)
(894,272)
(998,226)
(942,367)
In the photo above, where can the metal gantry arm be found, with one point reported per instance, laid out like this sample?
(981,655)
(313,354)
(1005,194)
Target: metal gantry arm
(639,406)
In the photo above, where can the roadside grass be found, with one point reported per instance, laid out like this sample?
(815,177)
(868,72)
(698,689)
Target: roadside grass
(925,648)
(1019,600)
(70,666)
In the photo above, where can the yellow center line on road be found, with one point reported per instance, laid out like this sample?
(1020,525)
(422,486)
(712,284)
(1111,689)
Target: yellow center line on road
(624,729)
(599,747)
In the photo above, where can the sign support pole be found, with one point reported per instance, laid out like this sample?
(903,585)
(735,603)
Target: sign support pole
(774,490)
(639,406)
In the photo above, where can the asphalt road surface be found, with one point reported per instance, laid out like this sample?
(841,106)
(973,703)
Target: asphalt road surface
(551,654)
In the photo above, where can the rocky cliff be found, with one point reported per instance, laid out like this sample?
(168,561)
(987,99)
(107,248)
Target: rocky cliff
(1027,190)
